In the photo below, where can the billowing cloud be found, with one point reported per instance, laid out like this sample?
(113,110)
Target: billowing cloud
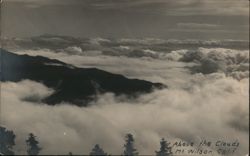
(138,61)
(211,107)
(223,60)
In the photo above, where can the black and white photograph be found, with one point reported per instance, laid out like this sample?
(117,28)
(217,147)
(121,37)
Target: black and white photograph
(124,77)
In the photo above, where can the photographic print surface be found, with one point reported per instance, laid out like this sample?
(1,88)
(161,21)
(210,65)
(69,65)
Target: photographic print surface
(124,77)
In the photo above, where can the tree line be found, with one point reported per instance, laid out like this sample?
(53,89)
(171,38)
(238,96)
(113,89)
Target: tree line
(7,142)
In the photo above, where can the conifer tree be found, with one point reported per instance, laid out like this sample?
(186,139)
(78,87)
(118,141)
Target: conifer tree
(97,151)
(7,141)
(129,146)
(165,149)
(33,145)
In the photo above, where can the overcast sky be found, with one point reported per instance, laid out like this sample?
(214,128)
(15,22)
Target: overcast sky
(179,19)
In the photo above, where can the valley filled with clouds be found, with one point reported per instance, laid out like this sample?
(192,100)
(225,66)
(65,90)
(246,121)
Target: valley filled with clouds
(207,95)
(185,64)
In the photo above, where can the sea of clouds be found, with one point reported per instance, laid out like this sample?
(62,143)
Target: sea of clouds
(207,98)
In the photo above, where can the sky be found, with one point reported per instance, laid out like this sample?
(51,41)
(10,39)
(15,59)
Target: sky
(186,19)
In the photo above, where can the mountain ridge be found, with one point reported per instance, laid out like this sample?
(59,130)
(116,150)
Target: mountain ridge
(75,85)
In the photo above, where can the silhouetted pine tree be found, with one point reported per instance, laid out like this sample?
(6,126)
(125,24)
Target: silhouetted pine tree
(7,141)
(97,151)
(33,145)
(165,149)
(129,146)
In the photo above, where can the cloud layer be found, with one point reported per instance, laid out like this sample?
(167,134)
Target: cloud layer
(212,106)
